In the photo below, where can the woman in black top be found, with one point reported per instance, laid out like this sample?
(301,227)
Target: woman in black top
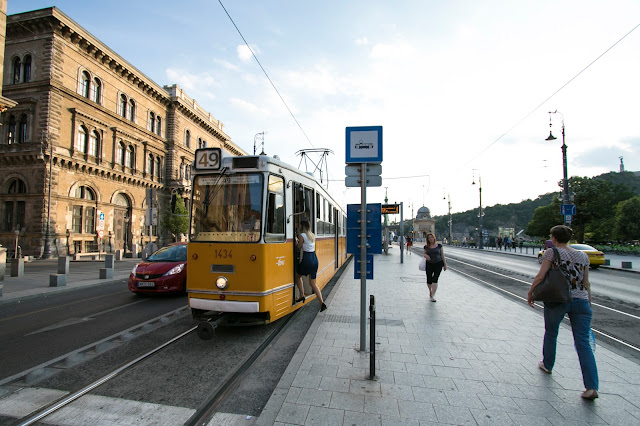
(436,263)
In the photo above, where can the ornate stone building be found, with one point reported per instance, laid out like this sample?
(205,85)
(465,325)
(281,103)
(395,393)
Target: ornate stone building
(90,133)
(423,224)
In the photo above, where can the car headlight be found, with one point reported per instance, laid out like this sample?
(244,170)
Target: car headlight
(175,270)
(221,283)
(133,271)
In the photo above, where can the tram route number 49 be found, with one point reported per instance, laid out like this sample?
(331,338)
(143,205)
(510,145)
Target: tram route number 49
(208,159)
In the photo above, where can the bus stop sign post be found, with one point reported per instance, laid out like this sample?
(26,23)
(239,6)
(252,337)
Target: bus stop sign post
(363,145)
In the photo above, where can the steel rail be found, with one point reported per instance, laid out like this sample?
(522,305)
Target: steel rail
(67,400)
(601,333)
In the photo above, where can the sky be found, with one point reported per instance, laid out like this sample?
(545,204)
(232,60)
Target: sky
(462,88)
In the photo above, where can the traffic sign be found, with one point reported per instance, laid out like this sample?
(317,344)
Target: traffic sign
(369,266)
(100,233)
(355,181)
(568,209)
(370,169)
(364,144)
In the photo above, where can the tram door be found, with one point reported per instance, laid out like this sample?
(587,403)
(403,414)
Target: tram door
(302,210)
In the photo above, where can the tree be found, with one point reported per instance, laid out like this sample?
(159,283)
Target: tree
(176,222)
(544,218)
(627,220)
(595,200)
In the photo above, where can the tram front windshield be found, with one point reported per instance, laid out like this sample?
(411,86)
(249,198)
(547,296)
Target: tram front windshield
(227,208)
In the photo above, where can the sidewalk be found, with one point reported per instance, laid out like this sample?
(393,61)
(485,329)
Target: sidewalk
(469,358)
(35,280)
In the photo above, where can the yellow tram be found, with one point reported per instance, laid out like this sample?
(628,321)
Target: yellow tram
(242,252)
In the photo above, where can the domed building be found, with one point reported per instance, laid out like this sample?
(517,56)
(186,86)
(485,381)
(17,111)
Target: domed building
(423,224)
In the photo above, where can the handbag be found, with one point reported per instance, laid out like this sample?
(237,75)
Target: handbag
(555,287)
(423,264)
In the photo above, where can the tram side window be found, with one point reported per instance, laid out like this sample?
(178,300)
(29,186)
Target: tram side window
(274,231)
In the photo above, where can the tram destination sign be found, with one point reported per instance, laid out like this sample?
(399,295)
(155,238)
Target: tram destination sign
(390,208)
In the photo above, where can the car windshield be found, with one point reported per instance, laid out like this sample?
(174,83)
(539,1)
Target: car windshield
(582,247)
(170,254)
(227,208)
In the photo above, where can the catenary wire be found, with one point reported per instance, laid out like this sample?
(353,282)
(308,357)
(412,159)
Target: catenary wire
(266,75)
(551,96)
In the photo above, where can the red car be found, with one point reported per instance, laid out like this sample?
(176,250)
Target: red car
(165,271)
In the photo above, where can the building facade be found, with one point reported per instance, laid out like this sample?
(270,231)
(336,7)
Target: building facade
(89,137)
(423,224)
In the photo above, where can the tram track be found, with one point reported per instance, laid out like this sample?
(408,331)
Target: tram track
(207,408)
(614,322)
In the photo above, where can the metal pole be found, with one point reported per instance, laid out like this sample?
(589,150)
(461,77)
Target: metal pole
(372,337)
(363,257)
(46,253)
(480,243)
(450,222)
(402,232)
(565,180)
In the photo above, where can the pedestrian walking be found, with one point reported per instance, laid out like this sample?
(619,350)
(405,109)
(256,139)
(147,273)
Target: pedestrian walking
(409,244)
(436,263)
(579,309)
(306,241)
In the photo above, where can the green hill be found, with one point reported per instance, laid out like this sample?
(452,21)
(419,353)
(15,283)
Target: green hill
(517,215)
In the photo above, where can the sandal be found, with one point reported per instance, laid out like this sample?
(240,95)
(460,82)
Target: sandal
(590,394)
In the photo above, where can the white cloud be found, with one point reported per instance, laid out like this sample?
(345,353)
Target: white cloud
(201,84)
(362,41)
(244,52)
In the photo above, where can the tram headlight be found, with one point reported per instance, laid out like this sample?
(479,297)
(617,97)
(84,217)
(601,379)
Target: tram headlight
(221,283)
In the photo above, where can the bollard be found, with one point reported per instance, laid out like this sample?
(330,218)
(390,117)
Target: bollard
(372,337)
(57,280)
(17,267)
(63,264)
(108,261)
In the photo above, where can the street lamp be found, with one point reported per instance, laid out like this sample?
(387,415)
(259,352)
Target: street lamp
(46,252)
(448,198)
(480,214)
(565,181)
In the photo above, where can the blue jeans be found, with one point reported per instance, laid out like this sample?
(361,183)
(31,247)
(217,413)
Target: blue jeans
(580,313)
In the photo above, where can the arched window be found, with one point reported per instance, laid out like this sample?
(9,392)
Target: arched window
(187,138)
(26,70)
(83,218)
(16,70)
(132,110)
(159,126)
(14,208)
(200,143)
(152,121)
(120,153)
(158,169)
(22,129)
(130,161)
(150,165)
(11,131)
(123,106)
(16,186)
(81,142)
(86,80)
(96,90)
(94,144)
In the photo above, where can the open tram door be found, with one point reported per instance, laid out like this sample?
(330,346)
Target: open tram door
(302,210)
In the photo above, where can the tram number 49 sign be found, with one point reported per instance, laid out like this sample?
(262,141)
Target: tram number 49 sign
(208,159)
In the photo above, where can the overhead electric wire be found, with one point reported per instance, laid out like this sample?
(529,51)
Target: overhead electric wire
(266,75)
(552,95)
